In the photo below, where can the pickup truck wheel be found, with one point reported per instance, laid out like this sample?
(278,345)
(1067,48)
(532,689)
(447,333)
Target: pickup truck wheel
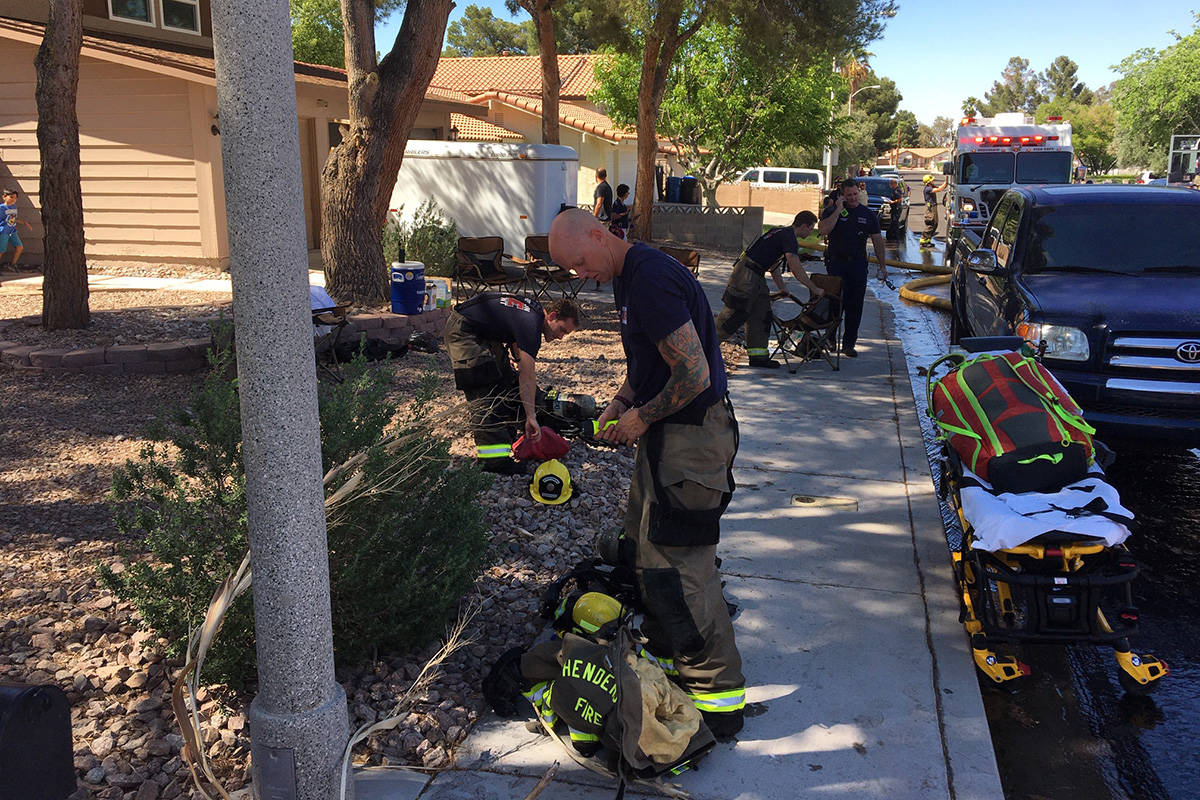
(958,328)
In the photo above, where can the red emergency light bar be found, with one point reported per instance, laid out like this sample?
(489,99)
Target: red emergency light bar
(966,121)
(1005,141)
(1053,119)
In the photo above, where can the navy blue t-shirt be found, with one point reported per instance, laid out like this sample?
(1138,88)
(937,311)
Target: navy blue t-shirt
(505,318)
(848,239)
(773,245)
(928,194)
(655,295)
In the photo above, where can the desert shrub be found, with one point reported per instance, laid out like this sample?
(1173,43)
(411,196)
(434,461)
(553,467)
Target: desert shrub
(402,552)
(432,240)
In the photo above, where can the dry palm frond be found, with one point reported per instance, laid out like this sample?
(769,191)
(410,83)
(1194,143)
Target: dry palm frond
(189,680)
(456,639)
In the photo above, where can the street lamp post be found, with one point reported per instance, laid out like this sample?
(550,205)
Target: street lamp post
(849,109)
(850,100)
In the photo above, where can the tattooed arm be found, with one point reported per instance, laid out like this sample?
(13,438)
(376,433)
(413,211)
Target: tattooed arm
(684,354)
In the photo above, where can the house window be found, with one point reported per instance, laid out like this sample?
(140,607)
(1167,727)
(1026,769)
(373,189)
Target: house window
(181,15)
(131,11)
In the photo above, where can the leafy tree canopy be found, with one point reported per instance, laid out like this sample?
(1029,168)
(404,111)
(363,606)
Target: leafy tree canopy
(940,133)
(1019,89)
(1060,82)
(908,130)
(318,36)
(481,33)
(879,106)
(1092,130)
(1157,96)
(724,109)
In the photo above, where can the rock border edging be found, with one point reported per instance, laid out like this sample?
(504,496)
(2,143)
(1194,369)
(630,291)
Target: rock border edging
(190,355)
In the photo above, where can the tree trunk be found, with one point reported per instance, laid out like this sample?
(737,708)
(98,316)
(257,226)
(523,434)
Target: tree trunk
(543,19)
(64,288)
(662,42)
(357,182)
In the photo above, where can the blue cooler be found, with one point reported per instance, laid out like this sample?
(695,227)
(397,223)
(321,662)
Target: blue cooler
(408,287)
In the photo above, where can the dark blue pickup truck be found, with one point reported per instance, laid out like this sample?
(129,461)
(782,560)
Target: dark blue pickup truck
(1109,278)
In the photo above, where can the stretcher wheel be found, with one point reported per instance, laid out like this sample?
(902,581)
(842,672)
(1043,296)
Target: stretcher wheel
(1132,686)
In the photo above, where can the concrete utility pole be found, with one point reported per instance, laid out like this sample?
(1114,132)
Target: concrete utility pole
(298,720)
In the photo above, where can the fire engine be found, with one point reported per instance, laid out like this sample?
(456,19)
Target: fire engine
(991,155)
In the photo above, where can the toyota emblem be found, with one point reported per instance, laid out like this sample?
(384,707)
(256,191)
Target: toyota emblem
(1188,352)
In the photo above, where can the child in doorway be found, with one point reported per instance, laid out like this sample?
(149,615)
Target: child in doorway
(8,226)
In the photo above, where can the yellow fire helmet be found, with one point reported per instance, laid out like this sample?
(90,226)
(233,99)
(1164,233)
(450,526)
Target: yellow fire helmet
(927,179)
(551,483)
(594,610)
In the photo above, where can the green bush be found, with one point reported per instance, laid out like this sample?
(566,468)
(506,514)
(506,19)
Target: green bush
(432,240)
(402,552)
(428,237)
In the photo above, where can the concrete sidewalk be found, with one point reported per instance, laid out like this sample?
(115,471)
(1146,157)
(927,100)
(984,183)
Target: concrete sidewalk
(834,550)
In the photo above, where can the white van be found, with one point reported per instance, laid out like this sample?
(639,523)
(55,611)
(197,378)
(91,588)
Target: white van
(783,176)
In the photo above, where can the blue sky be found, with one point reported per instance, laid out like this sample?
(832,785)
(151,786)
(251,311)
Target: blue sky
(938,58)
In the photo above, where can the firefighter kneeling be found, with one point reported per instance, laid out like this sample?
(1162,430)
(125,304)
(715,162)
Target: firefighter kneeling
(480,335)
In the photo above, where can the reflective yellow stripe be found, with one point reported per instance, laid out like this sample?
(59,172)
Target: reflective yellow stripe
(539,696)
(667,665)
(493,451)
(580,736)
(756,351)
(719,701)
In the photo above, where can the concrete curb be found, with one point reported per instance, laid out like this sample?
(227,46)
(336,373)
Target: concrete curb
(191,355)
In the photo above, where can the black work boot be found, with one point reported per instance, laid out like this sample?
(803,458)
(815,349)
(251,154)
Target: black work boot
(764,363)
(502,466)
(724,724)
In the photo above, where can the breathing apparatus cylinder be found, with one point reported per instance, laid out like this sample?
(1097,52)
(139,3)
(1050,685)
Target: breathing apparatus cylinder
(612,547)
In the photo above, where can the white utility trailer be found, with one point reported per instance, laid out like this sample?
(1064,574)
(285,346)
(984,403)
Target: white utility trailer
(489,188)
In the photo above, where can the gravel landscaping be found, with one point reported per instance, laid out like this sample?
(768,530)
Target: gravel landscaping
(62,439)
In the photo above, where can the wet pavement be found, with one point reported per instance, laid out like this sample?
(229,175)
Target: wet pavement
(1070,731)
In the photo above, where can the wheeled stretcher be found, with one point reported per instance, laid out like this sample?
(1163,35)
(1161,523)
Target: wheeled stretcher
(1043,568)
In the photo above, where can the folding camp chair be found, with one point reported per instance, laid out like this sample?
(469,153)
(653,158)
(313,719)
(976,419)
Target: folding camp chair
(328,325)
(542,274)
(816,331)
(689,258)
(479,266)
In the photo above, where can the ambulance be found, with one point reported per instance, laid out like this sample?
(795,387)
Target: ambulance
(991,155)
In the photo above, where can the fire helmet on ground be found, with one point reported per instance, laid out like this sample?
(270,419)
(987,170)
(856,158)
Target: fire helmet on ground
(594,610)
(551,483)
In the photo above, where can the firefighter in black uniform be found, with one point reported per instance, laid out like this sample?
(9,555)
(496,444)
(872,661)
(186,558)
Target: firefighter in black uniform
(480,335)
(849,224)
(675,406)
(746,297)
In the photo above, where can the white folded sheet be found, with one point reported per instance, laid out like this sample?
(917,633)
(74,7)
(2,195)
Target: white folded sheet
(1006,520)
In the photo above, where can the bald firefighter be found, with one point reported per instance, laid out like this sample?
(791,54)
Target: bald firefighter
(675,407)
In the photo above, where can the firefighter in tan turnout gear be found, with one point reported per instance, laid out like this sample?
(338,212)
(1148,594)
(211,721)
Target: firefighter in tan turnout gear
(674,405)
(480,335)
(747,300)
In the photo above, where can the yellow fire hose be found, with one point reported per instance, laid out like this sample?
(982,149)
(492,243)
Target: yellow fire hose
(940,277)
(906,291)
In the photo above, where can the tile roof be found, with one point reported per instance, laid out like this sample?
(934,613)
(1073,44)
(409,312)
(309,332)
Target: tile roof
(573,116)
(471,129)
(515,75)
(183,61)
